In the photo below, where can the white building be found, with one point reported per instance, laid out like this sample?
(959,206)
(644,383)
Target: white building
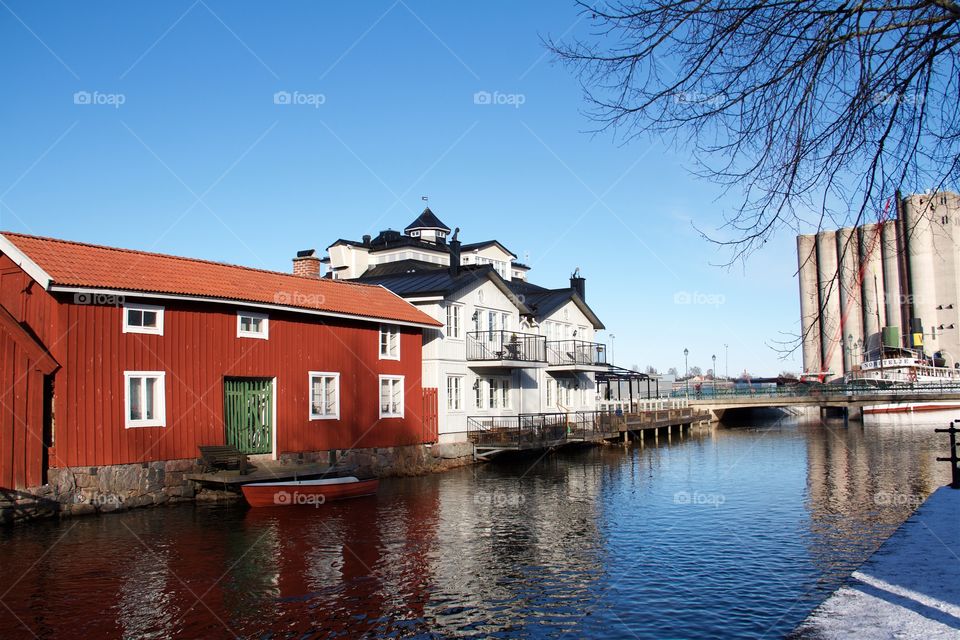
(507,346)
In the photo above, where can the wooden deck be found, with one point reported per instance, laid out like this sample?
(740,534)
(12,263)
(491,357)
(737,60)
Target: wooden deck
(538,432)
(266,471)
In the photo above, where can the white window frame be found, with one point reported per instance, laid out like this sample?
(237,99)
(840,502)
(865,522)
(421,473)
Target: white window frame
(505,393)
(478,395)
(394,380)
(393,334)
(159,402)
(262,335)
(455,393)
(131,328)
(336,403)
(454,321)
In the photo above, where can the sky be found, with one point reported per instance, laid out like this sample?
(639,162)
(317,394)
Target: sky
(245,131)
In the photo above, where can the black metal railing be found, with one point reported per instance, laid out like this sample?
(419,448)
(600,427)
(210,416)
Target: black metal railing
(506,345)
(883,389)
(576,352)
(544,429)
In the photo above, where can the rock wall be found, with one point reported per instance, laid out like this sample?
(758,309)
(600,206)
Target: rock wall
(87,490)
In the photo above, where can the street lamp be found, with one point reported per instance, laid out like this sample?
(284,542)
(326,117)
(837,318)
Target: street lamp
(613,361)
(686,371)
(714,372)
(726,362)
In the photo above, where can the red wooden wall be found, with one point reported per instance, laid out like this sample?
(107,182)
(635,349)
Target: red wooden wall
(198,350)
(23,364)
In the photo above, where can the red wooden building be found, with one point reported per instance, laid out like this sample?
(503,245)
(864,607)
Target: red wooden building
(110,356)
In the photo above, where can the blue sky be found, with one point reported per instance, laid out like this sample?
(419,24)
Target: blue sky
(178,146)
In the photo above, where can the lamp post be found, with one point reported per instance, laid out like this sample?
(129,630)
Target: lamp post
(726,362)
(714,373)
(613,361)
(686,372)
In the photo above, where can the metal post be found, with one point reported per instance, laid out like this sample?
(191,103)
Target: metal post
(953,459)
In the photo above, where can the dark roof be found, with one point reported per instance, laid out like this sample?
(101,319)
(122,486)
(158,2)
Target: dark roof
(405,267)
(543,301)
(427,280)
(486,243)
(427,220)
(391,239)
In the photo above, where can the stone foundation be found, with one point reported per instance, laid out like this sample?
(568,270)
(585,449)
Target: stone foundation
(88,490)
(411,460)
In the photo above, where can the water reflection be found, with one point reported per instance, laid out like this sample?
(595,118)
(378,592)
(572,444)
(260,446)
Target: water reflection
(734,533)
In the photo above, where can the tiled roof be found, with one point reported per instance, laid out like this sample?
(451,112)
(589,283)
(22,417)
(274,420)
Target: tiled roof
(75,264)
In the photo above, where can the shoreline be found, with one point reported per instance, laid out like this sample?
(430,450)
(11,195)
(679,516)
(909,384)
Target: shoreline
(908,588)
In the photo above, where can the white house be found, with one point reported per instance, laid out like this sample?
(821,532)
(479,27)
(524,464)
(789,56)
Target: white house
(507,347)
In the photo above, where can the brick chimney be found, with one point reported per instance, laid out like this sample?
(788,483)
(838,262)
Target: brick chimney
(579,284)
(307,264)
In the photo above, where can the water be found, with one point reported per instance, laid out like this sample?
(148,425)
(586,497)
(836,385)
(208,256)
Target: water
(730,533)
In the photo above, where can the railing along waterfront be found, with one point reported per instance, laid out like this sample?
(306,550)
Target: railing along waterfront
(882,388)
(543,429)
(576,352)
(506,345)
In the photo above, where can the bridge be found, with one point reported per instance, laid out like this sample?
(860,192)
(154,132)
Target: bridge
(855,396)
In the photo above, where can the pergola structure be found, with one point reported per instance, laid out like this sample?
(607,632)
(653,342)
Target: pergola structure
(620,375)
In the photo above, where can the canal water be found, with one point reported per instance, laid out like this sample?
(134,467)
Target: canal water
(734,532)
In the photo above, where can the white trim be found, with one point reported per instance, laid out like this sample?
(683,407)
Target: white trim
(23,261)
(391,330)
(413,299)
(238,303)
(127,328)
(261,335)
(160,408)
(403,392)
(324,374)
(273,388)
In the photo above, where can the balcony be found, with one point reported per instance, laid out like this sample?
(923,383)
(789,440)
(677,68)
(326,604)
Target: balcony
(576,355)
(506,349)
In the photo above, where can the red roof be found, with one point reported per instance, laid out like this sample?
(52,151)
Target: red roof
(75,264)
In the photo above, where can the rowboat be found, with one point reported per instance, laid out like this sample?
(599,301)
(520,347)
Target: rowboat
(307,492)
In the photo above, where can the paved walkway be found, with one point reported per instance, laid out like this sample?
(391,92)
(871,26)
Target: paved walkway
(909,588)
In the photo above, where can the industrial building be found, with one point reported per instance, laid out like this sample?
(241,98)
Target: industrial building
(887,285)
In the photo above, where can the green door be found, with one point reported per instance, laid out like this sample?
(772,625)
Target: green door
(249,414)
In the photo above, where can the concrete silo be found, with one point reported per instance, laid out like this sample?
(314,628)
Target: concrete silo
(828,281)
(851,307)
(871,287)
(809,302)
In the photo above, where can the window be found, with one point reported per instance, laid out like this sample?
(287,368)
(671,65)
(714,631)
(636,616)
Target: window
(391,396)
(493,396)
(389,343)
(324,396)
(505,393)
(491,323)
(453,320)
(454,393)
(252,325)
(550,391)
(144,399)
(478,393)
(142,318)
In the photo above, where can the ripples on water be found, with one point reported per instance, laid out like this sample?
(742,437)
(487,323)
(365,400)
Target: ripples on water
(736,532)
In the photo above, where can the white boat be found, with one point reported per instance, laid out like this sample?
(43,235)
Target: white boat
(906,367)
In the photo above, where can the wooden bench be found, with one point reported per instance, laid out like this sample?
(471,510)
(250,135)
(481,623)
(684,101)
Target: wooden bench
(223,457)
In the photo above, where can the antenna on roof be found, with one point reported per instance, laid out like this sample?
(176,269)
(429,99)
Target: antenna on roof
(425,198)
